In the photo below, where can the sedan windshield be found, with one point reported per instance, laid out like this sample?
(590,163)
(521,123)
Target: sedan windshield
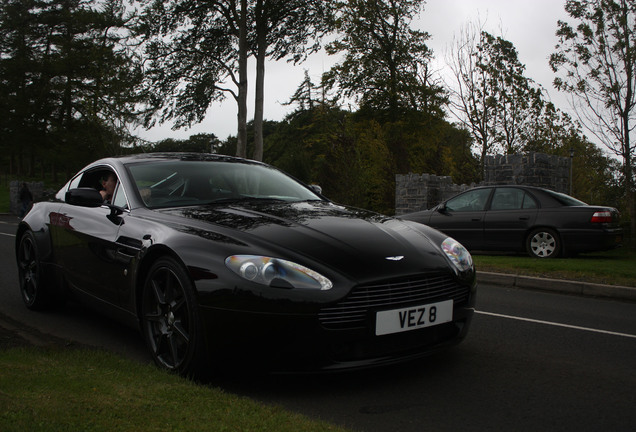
(178,183)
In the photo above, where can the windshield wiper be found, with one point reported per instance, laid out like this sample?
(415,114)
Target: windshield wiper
(236,200)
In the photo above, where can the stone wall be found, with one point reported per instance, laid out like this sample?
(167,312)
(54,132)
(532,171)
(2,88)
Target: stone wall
(533,169)
(414,192)
(36,188)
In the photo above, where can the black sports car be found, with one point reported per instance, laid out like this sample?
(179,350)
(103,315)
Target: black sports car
(544,223)
(223,259)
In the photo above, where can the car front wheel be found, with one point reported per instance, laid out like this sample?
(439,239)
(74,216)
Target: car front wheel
(543,243)
(169,319)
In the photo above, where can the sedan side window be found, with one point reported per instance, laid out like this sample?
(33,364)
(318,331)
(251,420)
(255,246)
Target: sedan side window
(474,200)
(511,199)
(529,202)
(507,199)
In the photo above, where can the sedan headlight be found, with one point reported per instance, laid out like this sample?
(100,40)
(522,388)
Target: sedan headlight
(276,272)
(457,254)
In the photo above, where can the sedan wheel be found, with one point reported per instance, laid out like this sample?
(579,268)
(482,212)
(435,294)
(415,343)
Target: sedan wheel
(543,243)
(169,318)
(35,291)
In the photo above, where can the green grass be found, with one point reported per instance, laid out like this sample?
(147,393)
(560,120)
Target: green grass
(69,389)
(616,267)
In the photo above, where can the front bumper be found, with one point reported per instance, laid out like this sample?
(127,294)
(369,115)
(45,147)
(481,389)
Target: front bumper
(292,343)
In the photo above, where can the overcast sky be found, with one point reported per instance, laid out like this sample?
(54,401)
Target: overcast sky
(529,24)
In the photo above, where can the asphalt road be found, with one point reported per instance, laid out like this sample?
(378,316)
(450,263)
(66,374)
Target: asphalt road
(532,361)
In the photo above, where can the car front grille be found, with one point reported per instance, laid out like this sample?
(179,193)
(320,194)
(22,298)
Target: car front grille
(353,311)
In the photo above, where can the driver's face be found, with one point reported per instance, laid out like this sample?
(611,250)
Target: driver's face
(109,184)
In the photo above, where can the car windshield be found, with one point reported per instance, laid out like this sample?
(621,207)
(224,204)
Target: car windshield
(176,183)
(565,200)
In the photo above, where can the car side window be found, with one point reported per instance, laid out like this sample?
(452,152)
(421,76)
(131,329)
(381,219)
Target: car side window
(529,202)
(93,178)
(75,182)
(474,200)
(507,199)
(119,197)
(511,199)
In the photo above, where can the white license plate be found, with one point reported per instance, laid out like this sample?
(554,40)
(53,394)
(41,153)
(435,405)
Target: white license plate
(412,318)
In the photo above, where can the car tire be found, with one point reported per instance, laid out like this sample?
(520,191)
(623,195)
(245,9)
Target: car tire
(37,292)
(543,243)
(170,321)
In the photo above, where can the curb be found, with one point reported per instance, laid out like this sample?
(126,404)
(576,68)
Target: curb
(586,289)
(29,334)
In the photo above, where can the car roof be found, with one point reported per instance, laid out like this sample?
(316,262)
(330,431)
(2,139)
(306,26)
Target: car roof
(185,156)
(508,185)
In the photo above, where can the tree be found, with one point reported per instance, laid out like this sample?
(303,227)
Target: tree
(596,63)
(196,47)
(67,80)
(20,79)
(284,28)
(191,49)
(353,155)
(304,96)
(198,143)
(491,96)
(472,100)
(386,64)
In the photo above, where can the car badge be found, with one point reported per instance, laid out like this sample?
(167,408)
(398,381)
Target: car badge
(395,258)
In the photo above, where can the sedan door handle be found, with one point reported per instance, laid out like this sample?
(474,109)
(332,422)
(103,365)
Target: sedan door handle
(524,218)
(476,219)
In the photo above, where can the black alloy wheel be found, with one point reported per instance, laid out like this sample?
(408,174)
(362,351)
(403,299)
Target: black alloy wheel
(169,318)
(34,289)
(543,243)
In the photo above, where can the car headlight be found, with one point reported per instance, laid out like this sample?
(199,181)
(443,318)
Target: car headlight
(276,272)
(457,254)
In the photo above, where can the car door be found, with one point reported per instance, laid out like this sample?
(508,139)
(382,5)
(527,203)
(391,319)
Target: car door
(512,211)
(85,242)
(462,217)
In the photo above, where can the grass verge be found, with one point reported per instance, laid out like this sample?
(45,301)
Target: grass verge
(615,267)
(56,389)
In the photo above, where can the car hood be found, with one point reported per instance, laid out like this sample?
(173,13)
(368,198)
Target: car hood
(365,244)
(422,216)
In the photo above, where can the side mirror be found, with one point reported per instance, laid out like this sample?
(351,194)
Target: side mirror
(84,197)
(316,189)
(441,208)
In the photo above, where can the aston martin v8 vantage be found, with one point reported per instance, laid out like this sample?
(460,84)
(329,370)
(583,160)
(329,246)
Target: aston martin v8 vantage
(219,259)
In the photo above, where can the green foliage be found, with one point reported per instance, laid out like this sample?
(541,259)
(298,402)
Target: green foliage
(190,51)
(66,83)
(594,175)
(355,157)
(386,63)
(596,64)
(502,108)
(199,143)
(198,52)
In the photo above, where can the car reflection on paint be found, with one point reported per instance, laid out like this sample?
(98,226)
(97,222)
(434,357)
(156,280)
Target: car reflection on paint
(544,223)
(219,261)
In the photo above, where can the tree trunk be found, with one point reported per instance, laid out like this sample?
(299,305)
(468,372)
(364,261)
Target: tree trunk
(259,99)
(261,40)
(241,145)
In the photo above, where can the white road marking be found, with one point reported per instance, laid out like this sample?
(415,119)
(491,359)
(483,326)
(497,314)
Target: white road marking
(557,324)
(7,234)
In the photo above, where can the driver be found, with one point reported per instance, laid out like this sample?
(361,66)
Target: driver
(108,181)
